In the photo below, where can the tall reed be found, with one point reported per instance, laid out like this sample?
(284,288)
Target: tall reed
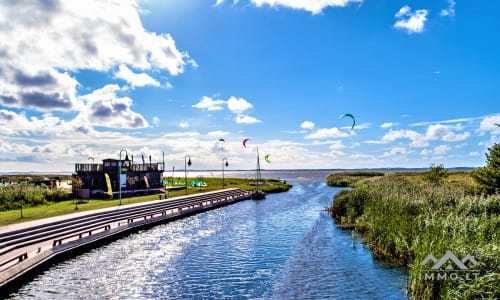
(406,221)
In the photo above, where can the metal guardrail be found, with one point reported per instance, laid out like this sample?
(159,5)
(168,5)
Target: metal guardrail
(80,226)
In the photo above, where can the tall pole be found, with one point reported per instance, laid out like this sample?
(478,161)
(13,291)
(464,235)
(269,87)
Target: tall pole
(186,164)
(224,164)
(173,171)
(120,173)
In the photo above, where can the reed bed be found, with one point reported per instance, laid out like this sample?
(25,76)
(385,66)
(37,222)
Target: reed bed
(405,221)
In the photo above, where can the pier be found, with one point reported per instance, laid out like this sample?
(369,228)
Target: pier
(28,248)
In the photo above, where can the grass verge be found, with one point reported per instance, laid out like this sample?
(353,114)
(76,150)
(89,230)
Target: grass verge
(52,209)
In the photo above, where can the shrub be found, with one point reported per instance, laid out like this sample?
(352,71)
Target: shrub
(489,176)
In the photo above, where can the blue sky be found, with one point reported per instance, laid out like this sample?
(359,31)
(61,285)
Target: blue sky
(171,78)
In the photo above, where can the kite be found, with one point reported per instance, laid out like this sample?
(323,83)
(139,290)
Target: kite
(245,142)
(351,116)
(222,140)
(267,158)
(497,124)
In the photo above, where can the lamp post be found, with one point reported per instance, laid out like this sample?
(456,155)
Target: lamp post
(120,172)
(173,171)
(224,164)
(186,164)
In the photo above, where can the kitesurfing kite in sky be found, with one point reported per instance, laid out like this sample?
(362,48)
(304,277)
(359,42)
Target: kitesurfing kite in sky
(267,158)
(351,116)
(245,142)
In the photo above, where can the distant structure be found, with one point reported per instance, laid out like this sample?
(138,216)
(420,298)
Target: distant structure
(102,180)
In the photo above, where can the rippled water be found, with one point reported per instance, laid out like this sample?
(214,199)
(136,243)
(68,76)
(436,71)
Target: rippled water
(283,247)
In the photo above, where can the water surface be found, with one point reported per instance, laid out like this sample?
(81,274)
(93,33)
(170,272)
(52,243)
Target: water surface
(283,247)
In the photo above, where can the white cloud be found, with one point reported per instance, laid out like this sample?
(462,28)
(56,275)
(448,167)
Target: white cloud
(235,105)
(184,124)
(434,132)
(387,125)
(426,152)
(452,121)
(450,10)
(412,22)
(335,145)
(488,123)
(325,133)
(307,125)
(418,139)
(442,149)
(156,121)
(135,79)
(238,105)
(242,119)
(313,6)
(445,133)
(209,104)
(68,36)
(395,151)
(104,108)
(474,153)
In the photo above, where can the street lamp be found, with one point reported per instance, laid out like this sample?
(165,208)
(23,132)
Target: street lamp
(186,164)
(227,165)
(120,172)
(173,171)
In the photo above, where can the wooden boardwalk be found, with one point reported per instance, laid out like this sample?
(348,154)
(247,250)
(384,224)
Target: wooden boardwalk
(27,248)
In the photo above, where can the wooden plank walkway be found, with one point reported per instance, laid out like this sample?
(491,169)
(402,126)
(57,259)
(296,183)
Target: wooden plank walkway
(26,248)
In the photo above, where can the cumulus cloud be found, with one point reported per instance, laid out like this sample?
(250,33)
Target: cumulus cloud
(209,104)
(313,6)
(135,79)
(243,119)
(325,133)
(446,133)
(235,105)
(156,121)
(68,36)
(184,124)
(238,105)
(395,151)
(335,145)
(387,125)
(488,123)
(411,22)
(434,132)
(442,149)
(450,10)
(307,125)
(104,107)
(417,139)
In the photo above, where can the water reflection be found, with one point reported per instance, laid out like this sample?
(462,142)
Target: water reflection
(284,247)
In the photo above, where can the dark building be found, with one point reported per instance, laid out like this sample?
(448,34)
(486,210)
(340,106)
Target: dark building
(141,178)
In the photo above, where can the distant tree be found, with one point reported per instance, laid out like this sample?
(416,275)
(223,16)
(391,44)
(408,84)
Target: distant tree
(489,176)
(436,175)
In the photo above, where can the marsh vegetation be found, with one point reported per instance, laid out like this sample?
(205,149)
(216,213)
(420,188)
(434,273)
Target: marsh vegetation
(405,216)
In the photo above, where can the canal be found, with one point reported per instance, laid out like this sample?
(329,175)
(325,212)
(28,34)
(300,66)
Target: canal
(283,247)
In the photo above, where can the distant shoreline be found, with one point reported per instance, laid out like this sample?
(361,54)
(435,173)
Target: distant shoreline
(395,169)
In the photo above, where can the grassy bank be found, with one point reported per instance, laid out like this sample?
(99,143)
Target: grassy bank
(34,210)
(404,219)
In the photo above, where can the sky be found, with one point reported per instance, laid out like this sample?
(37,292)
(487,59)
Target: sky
(82,80)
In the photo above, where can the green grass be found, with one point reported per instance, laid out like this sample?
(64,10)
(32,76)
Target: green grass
(51,209)
(404,219)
